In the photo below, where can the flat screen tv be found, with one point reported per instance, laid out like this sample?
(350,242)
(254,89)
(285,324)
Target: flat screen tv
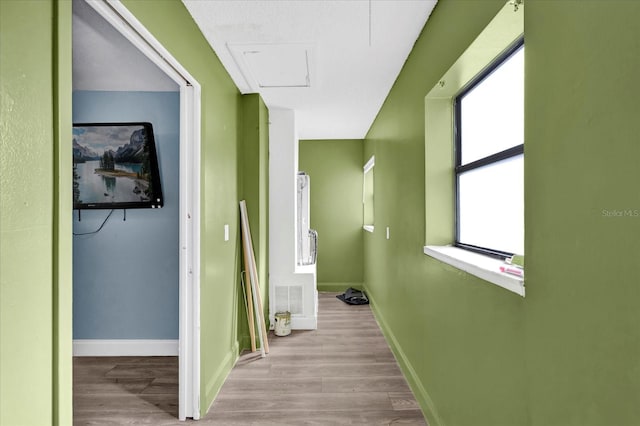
(115,166)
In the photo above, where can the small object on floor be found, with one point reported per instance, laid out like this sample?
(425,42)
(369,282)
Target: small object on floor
(354,297)
(283,323)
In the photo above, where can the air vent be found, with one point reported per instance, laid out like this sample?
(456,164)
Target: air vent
(289,298)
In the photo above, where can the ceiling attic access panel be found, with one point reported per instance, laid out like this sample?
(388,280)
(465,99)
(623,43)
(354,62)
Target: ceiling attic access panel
(277,65)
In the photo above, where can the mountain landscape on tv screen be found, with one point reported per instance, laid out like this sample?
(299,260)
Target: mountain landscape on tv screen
(111,164)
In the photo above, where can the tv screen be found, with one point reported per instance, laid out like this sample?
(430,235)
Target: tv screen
(115,166)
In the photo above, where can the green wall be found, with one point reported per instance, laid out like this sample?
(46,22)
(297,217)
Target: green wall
(35,205)
(582,317)
(476,354)
(335,168)
(567,354)
(253,165)
(35,225)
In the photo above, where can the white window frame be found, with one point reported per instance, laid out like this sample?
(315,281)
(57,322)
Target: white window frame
(368,168)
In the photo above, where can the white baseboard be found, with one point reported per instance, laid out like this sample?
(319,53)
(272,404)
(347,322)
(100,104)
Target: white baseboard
(122,347)
(304,323)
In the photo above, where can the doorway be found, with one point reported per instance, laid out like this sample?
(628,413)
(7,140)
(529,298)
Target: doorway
(185,177)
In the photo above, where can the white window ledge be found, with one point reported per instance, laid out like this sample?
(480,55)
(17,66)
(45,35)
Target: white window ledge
(368,228)
(481,266)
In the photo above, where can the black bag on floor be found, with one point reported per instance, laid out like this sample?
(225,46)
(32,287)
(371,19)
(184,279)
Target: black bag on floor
(354,297)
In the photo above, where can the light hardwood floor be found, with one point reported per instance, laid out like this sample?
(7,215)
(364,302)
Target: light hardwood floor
(125,390)
(341,374)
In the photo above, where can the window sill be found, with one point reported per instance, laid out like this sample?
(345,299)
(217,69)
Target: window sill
(368,228)
(476,264)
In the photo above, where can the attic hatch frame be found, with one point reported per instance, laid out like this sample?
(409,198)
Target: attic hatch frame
(114,12)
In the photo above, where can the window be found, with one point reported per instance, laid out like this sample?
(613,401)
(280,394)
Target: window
(489,158)
(485,190)
(367,195)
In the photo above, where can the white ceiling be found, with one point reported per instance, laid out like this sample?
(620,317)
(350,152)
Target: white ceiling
(332,61)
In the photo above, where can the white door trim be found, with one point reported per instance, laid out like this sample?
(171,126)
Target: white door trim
(189,340)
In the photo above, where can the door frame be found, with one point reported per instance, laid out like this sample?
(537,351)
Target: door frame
(189,217)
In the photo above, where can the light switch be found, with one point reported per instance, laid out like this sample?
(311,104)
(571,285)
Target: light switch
(226,232)
(387,232)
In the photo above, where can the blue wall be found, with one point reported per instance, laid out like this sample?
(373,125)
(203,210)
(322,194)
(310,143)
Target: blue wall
(125,278)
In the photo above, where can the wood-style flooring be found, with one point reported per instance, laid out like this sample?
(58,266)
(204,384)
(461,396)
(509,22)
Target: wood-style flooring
(343,373)
(125,391)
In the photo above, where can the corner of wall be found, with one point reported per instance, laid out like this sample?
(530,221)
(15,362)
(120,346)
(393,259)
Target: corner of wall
(214,385)
(62,262)
(422,396)
(338,287)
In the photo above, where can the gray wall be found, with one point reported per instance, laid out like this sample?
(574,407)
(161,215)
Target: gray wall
(125,278)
